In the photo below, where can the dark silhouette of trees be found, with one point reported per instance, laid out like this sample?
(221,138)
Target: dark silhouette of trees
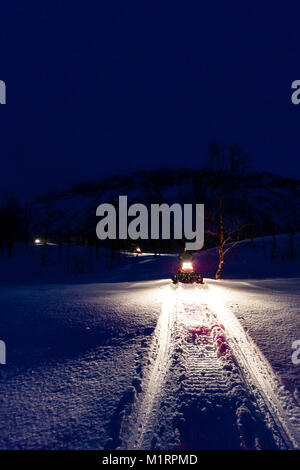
(10,221)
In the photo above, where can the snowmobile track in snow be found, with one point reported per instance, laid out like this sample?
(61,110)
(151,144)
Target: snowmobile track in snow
(160,357)
(200,390)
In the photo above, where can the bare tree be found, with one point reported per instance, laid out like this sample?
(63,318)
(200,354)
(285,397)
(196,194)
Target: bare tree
(11,220)
(228,166)
(27,225)
(47,222)
(227,239)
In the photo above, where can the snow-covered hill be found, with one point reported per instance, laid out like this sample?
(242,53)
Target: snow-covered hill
(263,202)
(259,258)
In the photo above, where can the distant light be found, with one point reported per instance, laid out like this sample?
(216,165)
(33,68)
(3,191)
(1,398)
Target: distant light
(138,250)
(37,241)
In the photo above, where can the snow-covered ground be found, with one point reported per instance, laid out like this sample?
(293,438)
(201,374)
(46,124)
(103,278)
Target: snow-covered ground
(269,310)
(208,385)
(122,358)
(71,357)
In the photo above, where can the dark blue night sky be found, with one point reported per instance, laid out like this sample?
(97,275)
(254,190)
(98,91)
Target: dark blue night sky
(97,88)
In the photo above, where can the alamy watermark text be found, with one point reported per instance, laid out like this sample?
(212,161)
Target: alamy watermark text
(2,92)
(114,224)
(2,352)
(296,353)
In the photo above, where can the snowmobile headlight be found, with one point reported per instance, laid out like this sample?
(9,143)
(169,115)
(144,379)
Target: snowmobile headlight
(187,266)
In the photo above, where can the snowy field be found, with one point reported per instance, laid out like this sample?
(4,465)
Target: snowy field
(122,358)
(71,354)
(269,310)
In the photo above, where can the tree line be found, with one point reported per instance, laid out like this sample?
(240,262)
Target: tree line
(223,186)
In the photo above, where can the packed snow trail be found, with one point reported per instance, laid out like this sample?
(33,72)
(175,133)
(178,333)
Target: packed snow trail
(201,389)
(277,403)
(161,352)
(219,410)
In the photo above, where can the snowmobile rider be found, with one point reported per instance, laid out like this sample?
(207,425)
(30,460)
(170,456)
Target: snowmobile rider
(186,270)
(185,257)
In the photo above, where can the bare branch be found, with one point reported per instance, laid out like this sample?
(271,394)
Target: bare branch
(232,245)
(213,234)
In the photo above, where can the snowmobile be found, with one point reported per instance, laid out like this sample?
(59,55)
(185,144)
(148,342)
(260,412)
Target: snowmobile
(136,250)
(187,273)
